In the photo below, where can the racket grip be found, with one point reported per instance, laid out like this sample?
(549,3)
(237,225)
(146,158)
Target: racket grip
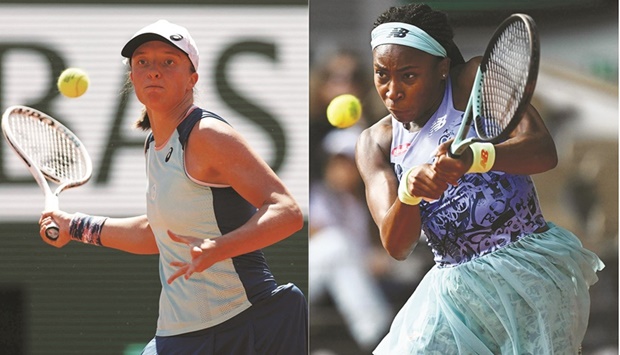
(52,231)
(454,155)
(51,203)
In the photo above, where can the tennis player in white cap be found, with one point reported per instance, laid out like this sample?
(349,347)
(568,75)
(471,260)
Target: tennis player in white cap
(212,204)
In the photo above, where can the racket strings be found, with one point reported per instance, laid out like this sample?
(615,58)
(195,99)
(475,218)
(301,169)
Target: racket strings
(53,151)
(505,78)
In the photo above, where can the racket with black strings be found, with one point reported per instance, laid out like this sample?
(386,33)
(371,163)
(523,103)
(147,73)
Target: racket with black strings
(503,85)
(51,152)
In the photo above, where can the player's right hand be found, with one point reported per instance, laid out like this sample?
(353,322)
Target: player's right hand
(424,182)
(451,169)
(62,219)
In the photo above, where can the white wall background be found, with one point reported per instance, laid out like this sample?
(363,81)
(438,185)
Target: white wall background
(91,37)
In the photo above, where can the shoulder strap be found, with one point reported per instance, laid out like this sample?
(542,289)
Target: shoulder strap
(186,126)
(147,142)
(188,123)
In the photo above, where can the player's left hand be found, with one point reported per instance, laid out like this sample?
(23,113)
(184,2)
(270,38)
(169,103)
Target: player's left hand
(449,169)
(202,259)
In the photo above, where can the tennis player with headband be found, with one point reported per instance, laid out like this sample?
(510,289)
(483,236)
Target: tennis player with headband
(506,281)
(212,204)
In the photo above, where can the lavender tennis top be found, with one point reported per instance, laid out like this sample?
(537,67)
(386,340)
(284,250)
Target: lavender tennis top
(483,213)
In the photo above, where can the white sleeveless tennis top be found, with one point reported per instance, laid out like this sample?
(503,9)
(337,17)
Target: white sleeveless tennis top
(178,203)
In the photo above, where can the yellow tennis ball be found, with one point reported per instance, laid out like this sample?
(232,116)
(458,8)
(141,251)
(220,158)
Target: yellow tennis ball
(344,111)
(73,82)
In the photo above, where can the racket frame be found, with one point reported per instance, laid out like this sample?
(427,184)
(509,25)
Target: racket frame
(40,175)
(473,110)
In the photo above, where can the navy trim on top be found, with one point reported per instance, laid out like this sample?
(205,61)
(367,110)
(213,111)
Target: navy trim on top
(186,126)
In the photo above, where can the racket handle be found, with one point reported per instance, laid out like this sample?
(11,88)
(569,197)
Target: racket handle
(51,203)
(52,231)
(457,153)
(452,155)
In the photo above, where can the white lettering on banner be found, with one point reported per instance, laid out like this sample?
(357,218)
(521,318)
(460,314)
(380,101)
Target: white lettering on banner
(253,72)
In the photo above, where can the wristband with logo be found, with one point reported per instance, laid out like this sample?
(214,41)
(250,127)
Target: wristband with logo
(483,157)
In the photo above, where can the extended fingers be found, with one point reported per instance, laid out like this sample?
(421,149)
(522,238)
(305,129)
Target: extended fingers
(176,275)
(191,241)
(184,269)
(177,238)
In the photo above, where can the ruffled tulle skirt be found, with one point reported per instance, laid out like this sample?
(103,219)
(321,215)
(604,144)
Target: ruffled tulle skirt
(530,297)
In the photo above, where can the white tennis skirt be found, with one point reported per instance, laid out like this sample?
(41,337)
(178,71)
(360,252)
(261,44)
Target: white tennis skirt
(530,297)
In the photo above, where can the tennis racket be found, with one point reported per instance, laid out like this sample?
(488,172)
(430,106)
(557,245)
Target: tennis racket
(503,86)
(50,150)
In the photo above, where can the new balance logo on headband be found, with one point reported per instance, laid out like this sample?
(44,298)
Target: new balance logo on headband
(405,34)
(398,33)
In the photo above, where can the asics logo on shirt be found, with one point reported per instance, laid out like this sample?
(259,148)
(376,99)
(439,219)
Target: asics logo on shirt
(169,154)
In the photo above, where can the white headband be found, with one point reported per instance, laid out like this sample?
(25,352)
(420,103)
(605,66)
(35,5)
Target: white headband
(406,35)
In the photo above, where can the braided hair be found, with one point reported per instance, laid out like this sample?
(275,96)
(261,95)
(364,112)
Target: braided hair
(435,23)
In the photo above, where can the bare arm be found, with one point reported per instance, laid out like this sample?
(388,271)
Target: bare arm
(530,148)
(132,235)
(232,162)
(399,224)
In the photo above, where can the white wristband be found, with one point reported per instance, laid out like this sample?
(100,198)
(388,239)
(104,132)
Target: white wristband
(483,157)
(403,190)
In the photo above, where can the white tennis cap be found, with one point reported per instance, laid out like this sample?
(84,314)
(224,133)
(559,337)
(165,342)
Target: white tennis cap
(165,31)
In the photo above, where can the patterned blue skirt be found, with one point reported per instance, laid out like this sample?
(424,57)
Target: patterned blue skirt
(530,297)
